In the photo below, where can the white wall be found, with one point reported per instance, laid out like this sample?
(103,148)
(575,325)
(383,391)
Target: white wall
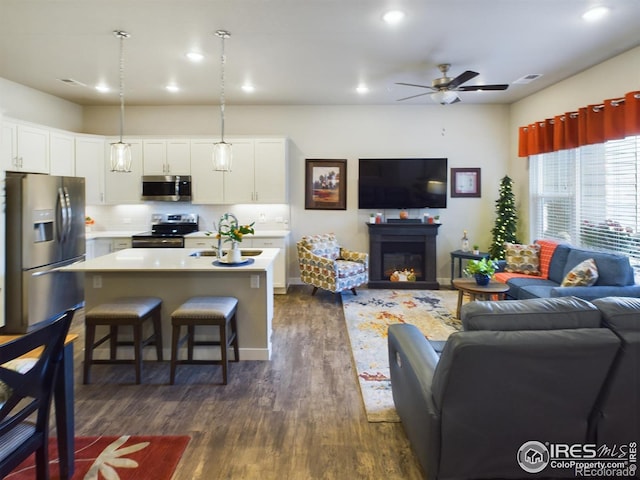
(469,135)
(24,103)
(610,79)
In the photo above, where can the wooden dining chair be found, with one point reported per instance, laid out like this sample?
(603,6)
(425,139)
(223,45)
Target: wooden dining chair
(27,377)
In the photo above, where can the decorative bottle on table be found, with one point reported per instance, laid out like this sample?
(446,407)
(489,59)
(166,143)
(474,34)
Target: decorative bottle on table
(465,242)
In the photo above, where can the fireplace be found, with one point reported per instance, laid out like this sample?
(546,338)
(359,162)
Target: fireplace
(403,255)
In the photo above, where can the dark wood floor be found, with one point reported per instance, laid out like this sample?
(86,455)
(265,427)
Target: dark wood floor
(298,416)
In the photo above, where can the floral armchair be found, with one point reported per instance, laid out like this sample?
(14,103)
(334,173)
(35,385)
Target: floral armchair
(324,264)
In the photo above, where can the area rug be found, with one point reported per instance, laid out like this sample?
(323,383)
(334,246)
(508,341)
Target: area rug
(115,458)
(368,316)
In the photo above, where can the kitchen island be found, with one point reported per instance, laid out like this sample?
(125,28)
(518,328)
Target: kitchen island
(176,274)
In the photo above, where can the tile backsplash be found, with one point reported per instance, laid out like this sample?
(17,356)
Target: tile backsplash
(137,218)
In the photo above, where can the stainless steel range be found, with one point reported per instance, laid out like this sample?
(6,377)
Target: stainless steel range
(167,231)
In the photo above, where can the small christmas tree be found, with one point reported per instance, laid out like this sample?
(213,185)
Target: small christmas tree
(505,227)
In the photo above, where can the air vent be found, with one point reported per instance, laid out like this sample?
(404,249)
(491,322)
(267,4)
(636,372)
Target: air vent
(71,82)
(529,78)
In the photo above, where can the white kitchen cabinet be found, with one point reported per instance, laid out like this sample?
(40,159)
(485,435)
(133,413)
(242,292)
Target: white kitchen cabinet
(124,187)
(120,244)
(62,155)
(25,148)
(271,162)
(89,163)
(206,183)
(166,157)
(239,183)
(8,145)
(97,247)
(258,173)
(280,280)
(200,242)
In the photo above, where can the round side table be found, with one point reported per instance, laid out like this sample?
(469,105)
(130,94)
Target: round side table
(478,292)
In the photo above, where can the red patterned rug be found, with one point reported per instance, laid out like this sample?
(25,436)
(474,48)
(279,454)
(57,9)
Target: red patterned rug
(115,458)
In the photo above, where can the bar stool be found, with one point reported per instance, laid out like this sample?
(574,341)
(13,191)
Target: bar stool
(205,311)
(121,312)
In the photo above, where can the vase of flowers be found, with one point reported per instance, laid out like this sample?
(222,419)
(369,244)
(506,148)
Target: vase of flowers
(229,230)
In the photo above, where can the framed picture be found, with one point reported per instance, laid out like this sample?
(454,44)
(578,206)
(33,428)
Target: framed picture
(465,182)
(325,185)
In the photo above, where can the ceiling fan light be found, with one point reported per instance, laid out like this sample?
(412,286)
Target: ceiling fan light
(444,97)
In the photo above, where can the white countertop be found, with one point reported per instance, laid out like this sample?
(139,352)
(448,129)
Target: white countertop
(110,234)
(200,234)
(257,234)
(169,259)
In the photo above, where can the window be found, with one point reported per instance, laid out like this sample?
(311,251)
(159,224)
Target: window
(589,196)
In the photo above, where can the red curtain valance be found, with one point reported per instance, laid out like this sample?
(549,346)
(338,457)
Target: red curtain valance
(613,119)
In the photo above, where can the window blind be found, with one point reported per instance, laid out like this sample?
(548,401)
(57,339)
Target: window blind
(589,196)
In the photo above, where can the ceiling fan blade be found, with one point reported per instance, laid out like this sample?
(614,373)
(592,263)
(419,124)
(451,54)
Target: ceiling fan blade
(475,88)
(413,96)
(462,78)
(414,85)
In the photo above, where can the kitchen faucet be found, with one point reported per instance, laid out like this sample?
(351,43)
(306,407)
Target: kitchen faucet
(224,219)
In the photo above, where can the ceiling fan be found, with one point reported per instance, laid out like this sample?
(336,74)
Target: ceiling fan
(443,89)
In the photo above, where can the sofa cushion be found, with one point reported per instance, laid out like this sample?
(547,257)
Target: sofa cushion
(614,270)
(518,283)
(558,262)
(532,314)
(349,269)
(584,274)
(504,277)
(324,245)
(620,313)
(541,290)
(547,249)
(522,258)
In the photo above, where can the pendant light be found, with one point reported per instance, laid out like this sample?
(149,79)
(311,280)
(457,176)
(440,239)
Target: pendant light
(120,151)
(222,150)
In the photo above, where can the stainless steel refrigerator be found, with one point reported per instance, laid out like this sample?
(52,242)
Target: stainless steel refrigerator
(44,231)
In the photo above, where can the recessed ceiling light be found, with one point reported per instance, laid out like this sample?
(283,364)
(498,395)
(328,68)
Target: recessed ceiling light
(595,14)
(102,88)
(195,56)
(393,17)
(362,89)
(172,88)
(248,88)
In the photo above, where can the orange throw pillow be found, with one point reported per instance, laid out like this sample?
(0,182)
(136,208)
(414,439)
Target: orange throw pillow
(547,247)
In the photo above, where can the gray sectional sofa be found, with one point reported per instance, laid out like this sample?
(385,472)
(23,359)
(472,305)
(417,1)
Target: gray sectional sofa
(550,370)
(616,277)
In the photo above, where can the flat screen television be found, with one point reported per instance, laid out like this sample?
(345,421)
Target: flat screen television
(402,183)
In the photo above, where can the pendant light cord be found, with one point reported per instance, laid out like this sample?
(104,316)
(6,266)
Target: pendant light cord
(121,35)
(121,87)
(223,34)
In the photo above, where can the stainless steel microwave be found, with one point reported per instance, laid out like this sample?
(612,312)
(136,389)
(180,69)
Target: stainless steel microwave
(166,188)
